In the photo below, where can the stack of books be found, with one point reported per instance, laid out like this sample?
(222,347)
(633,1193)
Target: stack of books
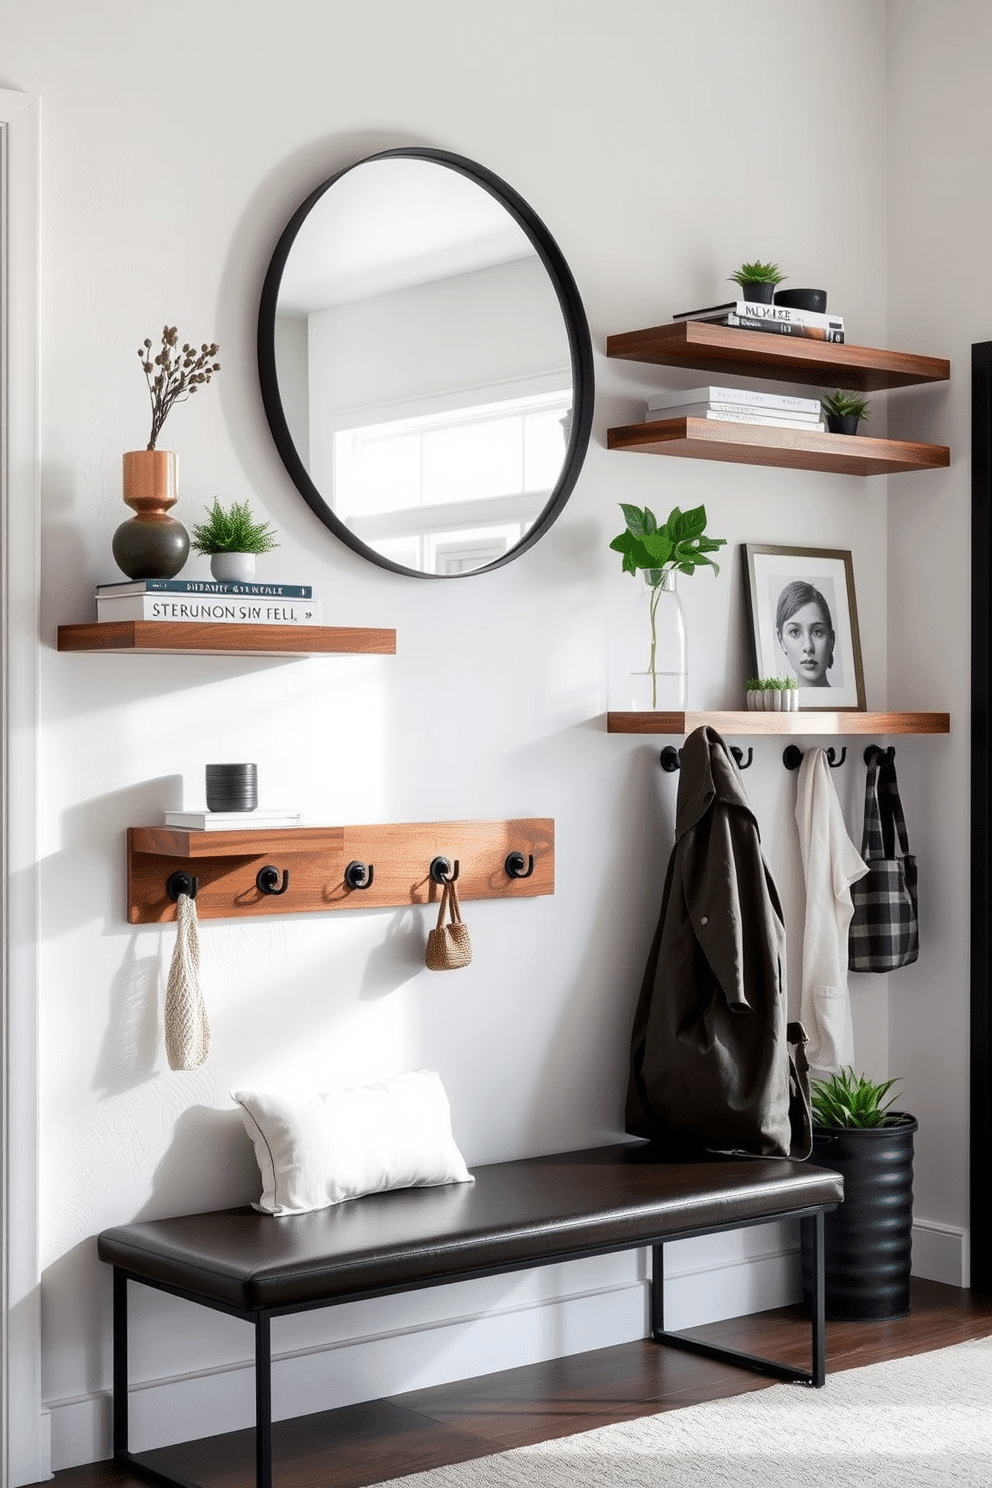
(232,821)
(208,602)
(738,406)
(780,320)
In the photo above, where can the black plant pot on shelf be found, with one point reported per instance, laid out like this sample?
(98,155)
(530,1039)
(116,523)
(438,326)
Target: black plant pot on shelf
(758,293)
(842,423)
(869,1237)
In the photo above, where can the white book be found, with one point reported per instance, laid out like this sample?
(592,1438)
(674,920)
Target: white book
(227,821)
(737,395)
(733,410)
(754,310)
(770,420)
(229,609)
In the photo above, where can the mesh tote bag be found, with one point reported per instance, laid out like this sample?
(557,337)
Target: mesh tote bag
(885,930)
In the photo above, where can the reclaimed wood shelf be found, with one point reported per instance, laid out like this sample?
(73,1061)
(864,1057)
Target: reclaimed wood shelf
(180,637)
(316,861)
(705,347)
(809,723)
(757,444)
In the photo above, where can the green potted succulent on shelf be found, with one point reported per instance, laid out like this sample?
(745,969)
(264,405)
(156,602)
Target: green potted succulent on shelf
(868,1239)
(772,694)
(844,411)
(233,538)
(659,551)
(757,280)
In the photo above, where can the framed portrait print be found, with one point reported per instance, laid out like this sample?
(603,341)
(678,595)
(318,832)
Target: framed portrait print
(804,622)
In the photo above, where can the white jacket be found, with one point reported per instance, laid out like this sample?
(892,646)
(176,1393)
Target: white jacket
(831,865)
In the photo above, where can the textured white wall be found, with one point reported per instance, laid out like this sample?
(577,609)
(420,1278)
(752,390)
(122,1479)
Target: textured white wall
(176,144)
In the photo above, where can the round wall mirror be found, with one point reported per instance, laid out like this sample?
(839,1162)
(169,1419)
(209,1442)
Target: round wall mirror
(425,364)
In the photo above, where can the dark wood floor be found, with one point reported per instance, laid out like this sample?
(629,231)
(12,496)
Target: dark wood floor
(473,1418)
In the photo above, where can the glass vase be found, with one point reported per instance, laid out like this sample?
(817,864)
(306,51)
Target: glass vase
(658,674)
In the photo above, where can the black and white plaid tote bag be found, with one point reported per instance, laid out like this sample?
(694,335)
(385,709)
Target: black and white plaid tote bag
(885,930)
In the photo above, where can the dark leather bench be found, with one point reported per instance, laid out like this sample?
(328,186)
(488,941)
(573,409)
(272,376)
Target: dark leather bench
(532,1212)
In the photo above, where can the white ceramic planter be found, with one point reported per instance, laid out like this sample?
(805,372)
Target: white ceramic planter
(232,568)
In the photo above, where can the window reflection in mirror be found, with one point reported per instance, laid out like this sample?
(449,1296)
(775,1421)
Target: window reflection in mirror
(424,367)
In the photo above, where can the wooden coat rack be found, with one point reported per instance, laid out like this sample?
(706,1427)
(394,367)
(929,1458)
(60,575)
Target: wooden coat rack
(303,870)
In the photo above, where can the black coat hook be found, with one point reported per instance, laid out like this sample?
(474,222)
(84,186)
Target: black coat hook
(441,870)
(671,758)
(267,878)
(884,756)
(792,757)
(515,867)
(182,883)
(359,875)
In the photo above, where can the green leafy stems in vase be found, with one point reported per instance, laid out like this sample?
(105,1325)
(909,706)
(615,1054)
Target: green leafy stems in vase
(232,537)
(679,545)
(151,544)
(772,694)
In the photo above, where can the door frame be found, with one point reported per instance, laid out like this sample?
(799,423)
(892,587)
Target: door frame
(25,1454)
(981,817)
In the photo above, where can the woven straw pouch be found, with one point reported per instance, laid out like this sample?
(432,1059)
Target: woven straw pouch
(449,945)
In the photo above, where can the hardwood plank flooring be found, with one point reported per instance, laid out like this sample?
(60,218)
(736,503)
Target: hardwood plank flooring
(363,1444)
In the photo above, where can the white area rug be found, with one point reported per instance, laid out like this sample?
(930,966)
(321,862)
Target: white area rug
(924,1422)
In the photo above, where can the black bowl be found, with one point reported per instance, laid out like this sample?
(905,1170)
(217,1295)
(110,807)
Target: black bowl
(803,299)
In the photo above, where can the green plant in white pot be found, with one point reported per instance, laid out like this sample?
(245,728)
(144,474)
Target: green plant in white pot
(679,545)
(772,694)
(233,538)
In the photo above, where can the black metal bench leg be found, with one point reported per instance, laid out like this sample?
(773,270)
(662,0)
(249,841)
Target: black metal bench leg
(120,1364)
(814,1228)
(815,1376)
(263,1402)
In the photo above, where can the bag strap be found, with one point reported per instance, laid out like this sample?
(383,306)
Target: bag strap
(872,845)
(800,1106)
(453,905)
(890,805)
(443,904)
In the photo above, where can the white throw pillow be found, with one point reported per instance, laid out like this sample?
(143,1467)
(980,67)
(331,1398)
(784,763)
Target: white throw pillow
(314,1151)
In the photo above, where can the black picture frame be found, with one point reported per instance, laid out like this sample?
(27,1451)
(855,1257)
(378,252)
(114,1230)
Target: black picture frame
(783,582)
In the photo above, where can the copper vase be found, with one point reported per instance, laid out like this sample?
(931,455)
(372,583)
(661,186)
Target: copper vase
(151,544)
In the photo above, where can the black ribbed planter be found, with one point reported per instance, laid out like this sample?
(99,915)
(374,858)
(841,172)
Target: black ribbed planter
(868,1238)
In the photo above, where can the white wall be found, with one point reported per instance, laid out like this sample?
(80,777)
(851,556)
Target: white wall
(175,146)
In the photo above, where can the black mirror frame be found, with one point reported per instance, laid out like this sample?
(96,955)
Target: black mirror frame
(576,326)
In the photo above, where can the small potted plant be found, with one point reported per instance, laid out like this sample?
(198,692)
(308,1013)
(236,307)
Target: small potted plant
(151,544)
(757,280)
(233,538)
(680,545)
(772,694)
(844,411)
(868,1239)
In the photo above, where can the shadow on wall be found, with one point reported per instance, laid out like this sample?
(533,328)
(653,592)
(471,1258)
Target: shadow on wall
(210,1164)
(131,1043)
(400,955)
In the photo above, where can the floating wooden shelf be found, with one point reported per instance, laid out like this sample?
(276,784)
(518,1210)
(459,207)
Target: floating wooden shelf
(811,723)
(167,637)
(316,858)
(704,347)
(757,444)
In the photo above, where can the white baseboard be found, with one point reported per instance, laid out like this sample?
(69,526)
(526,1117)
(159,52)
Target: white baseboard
(940,1253)
(723,1276)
